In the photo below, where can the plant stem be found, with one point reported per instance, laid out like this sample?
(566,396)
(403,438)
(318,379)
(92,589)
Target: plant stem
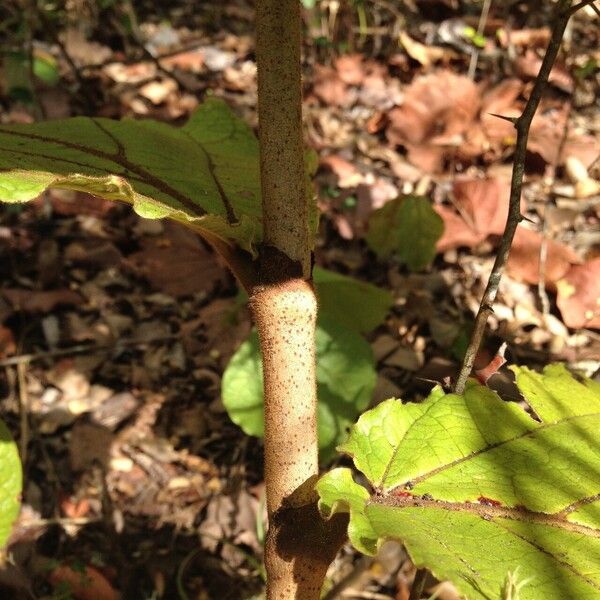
(299,544)
(285,209)
(522,125)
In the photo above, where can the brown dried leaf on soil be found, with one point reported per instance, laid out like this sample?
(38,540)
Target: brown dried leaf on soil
(84,583)
(350,68)
(329,88)
(177,262)
(438,109)
(347,174)
(7,342)
(524,37)
(579,295)
(524,260)
(483,204)
(528,66)
(32,301)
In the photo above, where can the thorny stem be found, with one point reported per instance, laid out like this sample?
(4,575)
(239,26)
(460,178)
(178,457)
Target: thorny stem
(522,125)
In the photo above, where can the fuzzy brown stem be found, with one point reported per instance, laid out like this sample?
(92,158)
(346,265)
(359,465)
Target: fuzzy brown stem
(285,317)
(285,209)
(300,545)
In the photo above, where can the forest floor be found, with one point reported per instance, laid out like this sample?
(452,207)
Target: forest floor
(115,331)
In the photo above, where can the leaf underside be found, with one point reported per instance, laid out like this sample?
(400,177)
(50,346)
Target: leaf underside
(478,489)
(204,174)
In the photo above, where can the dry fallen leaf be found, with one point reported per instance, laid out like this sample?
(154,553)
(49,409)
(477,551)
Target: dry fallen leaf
(329,88)
(485,201)
(7,342)
(437,109)
(456,231)
(348,175)
(524,260)
(483,208)
(579,295)
(350,68)
(171,262)
(41,301)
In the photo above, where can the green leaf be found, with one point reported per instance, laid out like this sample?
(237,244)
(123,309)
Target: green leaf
(555,394)
(204,174)
(11,483)
(345,381)
(353,304)
(408,227)
(45,68)
(476,488)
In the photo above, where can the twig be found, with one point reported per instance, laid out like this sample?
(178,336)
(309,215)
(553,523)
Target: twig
(545,302)
(416,591)
(81,349)
(573,9)
(522,126)
(485,11)
(48,25)
(23,411)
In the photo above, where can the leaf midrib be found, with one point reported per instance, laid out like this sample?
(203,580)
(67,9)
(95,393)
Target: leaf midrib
(490,513)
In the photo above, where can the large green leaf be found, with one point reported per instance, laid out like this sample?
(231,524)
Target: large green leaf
(477,489)
(345,382)
(408,227)
(354,304)
(11,482)
(204,174)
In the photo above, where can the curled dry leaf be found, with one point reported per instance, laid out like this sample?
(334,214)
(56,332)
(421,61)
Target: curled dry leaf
(524,260)
(579,295)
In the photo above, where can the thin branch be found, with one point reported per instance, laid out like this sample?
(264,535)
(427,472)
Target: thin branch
(573,9)
(522,126)
(485,11)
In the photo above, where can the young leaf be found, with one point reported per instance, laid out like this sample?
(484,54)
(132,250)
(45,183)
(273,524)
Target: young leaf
(345,381)
(476,488)
(354,304)
(204,174)
(407,226)
(11,482)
